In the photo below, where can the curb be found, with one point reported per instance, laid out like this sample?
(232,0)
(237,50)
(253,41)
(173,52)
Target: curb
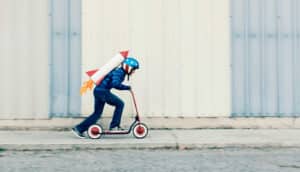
(64,124)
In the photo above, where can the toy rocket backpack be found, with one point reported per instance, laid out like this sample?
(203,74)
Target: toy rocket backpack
(97,75)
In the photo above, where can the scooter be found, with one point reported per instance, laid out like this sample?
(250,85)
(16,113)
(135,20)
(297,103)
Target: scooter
(140,130)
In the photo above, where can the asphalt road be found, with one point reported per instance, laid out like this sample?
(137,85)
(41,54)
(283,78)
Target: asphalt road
(209,160)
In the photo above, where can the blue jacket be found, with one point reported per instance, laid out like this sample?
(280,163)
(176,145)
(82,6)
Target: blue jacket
(114,79)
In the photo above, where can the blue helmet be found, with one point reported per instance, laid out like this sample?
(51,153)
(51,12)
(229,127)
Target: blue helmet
(132,62)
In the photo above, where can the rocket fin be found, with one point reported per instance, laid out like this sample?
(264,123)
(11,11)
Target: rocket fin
(91,72)
(124,53)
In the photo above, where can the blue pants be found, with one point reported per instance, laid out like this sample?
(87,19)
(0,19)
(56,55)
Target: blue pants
(102,97)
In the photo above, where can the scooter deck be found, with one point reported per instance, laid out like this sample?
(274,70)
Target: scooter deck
(116,132)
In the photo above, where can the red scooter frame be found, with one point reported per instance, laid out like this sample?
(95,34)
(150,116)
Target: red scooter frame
(140,130)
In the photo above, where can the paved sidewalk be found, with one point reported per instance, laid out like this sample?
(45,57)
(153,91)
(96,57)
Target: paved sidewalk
(157,139)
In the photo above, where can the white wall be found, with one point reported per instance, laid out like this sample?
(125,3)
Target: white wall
(182,45)
(24,59)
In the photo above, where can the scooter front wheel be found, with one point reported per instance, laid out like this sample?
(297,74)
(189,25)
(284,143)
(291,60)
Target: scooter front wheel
(140,130)
(95,131)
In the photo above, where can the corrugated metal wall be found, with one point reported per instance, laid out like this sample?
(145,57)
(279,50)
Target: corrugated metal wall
(266,57)
(183,47)
(24,59)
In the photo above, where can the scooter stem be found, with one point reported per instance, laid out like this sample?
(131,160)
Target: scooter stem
(135,105)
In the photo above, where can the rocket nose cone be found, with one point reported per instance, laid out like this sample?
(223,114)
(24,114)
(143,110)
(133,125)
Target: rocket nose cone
(124,53)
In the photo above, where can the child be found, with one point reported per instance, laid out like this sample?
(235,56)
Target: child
(103,94)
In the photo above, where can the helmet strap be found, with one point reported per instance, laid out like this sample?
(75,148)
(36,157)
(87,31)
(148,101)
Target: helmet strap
(128,74)
(126,68)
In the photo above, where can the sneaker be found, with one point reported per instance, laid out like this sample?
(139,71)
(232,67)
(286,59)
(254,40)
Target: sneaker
(77,133)
(118,128)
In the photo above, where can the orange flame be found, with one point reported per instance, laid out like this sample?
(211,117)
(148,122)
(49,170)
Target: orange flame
(86,85)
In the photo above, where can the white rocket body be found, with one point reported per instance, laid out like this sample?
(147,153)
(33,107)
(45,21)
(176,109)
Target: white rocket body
(98,74)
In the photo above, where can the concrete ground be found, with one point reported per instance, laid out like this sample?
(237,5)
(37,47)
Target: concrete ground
(207,160)
(157,139)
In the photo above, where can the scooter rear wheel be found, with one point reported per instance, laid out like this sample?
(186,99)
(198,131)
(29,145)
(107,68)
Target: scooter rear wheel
(140,130)
(95,131)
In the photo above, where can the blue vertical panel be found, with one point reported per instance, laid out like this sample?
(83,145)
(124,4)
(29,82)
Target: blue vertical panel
(265,58)
(65,57)
(237,56)
(269,58)
(296,29)
(75,57)
(59,57)
(285,57)
(254,76)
